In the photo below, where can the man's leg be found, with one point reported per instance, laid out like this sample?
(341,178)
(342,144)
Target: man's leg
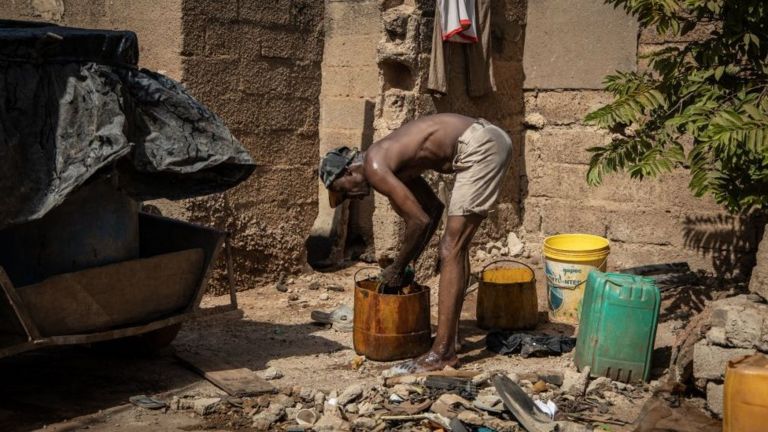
(454,249)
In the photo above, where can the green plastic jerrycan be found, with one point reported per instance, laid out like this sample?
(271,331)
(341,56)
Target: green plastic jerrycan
(617,327)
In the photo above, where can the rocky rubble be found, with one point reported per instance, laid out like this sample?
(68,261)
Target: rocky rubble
(738,326)
(446,400)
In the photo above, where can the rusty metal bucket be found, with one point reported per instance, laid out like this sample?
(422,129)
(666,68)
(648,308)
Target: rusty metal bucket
(506,297)
(390,327)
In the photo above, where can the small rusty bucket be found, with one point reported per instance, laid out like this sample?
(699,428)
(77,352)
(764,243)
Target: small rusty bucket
(390,327)
(506,297)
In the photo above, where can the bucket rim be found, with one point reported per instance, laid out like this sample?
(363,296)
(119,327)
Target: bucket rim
(606,245)
(424,289)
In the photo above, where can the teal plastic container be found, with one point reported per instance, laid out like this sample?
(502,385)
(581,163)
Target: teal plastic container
(617,327)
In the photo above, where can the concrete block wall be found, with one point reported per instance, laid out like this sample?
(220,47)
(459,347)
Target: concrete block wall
(350,84)
(258,66)
(157,23)
(404,58)
(649,221)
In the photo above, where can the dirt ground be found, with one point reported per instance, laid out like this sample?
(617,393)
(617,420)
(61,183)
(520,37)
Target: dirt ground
(81,388)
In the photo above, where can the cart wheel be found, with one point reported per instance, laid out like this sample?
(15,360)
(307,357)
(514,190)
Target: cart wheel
(143,344)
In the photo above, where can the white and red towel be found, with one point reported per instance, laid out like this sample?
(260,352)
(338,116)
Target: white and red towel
(458,20)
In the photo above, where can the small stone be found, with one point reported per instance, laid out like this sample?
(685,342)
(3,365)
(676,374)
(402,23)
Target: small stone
(365,408)
(330,423)
(364,423)
(205,406)
(350,394)
(552,377)
(280,286)
(535,121)
(514,245)
(540,387)
(293,297)
(335,288)
(600,384)
(324,296)
(319,398)
(351,408)
(481,378)
(470,417)
(525,383)
(272,373)
(314,286)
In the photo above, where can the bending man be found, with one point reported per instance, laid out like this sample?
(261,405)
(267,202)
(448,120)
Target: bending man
(478,152)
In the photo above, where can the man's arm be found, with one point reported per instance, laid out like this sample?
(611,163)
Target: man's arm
(412,203)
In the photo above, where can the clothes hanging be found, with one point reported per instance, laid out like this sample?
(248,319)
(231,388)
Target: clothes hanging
(458,20)
(477,56)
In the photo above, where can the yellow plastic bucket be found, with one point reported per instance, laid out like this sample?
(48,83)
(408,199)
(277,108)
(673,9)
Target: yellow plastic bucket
(568,259)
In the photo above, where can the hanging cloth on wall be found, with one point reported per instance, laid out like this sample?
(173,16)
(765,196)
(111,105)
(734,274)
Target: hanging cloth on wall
(476,56)
(458,23)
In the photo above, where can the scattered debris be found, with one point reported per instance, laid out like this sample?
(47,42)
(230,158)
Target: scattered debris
(324,296)
(341,318)
(146,402)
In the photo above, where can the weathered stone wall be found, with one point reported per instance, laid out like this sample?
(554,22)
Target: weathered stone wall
(648,221)
(258,66)
(156,22)
(404,59)
(350,84)
(550,60)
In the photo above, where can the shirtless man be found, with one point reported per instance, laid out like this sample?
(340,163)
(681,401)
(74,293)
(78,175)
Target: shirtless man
(478,152)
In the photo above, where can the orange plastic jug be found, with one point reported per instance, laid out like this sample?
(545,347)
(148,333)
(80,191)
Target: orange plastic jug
(745,399)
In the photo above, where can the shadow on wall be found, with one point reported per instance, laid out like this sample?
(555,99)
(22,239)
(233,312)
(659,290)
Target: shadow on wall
(731,241)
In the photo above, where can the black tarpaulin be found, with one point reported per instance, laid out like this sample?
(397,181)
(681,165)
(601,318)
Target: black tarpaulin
(73,105)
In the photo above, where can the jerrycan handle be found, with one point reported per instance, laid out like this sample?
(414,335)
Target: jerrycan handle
(485,267)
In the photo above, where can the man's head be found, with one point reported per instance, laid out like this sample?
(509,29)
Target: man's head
(341,172)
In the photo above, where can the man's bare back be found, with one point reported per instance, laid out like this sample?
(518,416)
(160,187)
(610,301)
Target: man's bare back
(428,143)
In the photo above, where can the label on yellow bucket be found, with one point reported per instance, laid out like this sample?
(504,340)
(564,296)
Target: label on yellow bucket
(565,284)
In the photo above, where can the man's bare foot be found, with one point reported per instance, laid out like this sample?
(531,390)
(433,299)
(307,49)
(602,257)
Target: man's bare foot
(429,362)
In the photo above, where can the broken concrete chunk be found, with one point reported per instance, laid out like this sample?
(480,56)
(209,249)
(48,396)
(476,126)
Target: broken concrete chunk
(552,377)
(600,384)
(272,374)
(470,417)
(331,423)
(716,336)
(364,423)
(205,406)
(709,361)
(576,384)
(715,398)
(350,394)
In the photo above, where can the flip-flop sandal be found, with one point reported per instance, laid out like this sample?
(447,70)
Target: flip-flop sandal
(340,318)
(146,402)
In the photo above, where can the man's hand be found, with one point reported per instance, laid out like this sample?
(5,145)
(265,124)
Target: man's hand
(392,277)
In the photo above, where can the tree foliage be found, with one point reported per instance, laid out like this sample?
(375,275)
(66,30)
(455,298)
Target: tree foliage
(702,105)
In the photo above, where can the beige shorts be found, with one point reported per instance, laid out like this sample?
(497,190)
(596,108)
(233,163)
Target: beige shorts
(483,154)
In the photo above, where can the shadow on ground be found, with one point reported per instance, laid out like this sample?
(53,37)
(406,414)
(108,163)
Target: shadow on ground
(60,383)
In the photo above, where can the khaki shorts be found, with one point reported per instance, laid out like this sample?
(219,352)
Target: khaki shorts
(483,154)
